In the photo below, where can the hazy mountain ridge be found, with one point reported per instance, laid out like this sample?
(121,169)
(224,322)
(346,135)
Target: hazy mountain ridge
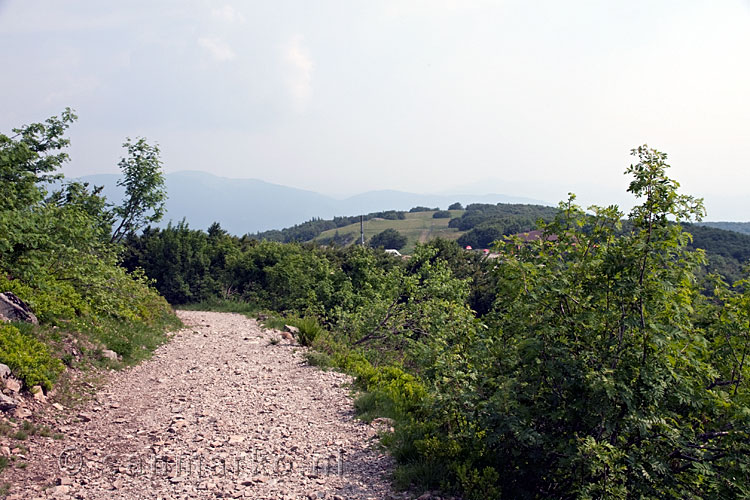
(738,227)
(250,205)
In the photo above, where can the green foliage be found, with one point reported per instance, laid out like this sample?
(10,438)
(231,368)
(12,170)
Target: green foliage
(338,239)
(284,277)
(501,215)
(187,265)
(223,305)
(727,251)
(56,255)
(133,340)
(320,359)
(471,266)
(143,181)
(390,238)
(586,363)
(28,358)
(441,214)
(30,157)
(456,206)
(486,234)
(309,330)
(314,227)
(598,382)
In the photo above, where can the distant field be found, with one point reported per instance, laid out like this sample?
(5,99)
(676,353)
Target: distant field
(417,227)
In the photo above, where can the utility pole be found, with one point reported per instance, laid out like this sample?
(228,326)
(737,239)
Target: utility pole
(362,230)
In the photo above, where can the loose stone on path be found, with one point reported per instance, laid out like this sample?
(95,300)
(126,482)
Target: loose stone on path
(220,411)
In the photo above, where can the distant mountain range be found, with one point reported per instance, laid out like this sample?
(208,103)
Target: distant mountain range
(250,205)
(738,227)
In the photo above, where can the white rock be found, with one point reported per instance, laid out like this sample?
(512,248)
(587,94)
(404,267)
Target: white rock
(13,384)
(109,354)
(21,413)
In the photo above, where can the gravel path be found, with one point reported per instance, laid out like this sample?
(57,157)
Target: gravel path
(217,412)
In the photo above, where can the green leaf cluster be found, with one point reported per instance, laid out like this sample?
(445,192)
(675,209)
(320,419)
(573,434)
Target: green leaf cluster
(28,358)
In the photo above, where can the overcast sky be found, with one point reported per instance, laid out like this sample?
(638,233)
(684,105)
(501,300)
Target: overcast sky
(527,98)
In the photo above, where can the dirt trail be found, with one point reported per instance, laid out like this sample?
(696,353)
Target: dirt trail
(217,412)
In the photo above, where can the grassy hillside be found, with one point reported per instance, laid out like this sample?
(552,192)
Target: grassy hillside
(417,227)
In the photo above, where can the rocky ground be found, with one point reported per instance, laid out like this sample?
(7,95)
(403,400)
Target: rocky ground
(218,412)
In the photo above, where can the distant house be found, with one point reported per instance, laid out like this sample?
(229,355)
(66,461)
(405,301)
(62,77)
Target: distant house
(534,235)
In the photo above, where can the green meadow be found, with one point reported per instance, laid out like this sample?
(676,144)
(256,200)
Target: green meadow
(417,227)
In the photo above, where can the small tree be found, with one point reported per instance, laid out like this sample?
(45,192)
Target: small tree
(143,181)
(390,238)
(456,206)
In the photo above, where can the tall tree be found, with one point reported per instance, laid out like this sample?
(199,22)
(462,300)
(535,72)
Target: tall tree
(145,192)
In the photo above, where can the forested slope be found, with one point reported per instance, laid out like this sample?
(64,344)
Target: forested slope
(739,227)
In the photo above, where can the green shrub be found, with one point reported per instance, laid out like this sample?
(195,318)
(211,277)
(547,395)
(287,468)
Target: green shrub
(319,359)
(274,322)
(28,359)
(309,329)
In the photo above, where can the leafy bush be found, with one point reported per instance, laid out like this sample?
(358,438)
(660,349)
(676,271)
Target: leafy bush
(390,238)
(28,358)
(441,214)
(319,359)
(309,330)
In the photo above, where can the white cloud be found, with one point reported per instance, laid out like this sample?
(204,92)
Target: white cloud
(399,8)
(228,14)
(218,49)
(300,68)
